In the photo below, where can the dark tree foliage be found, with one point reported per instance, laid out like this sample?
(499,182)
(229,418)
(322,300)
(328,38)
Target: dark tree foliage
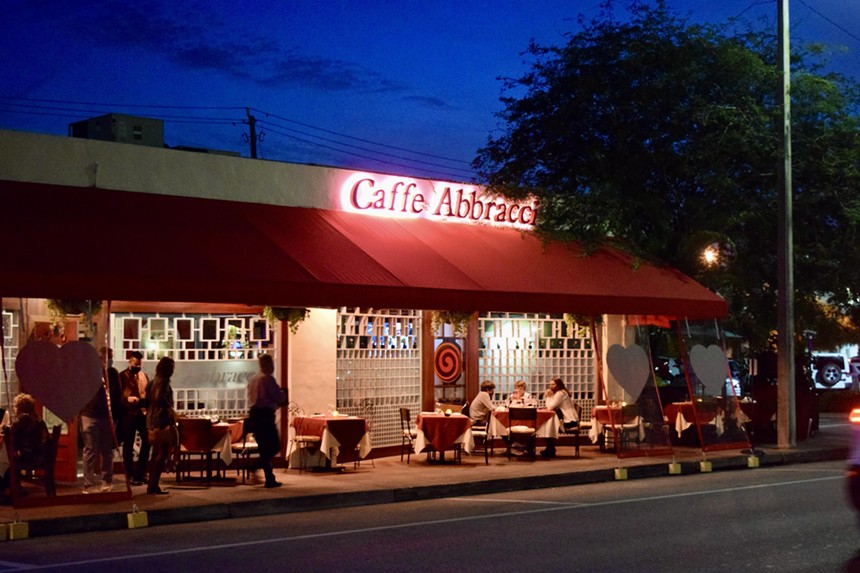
(661,136)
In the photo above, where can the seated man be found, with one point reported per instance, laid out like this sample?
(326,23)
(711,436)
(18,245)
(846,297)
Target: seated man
(482,405)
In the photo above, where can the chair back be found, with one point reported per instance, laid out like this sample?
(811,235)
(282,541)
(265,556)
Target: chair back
(367,411)
(405,419)
(455,408)
(522,417)
(247,428)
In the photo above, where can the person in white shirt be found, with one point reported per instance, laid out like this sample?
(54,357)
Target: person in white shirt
(482,405)
(519,397)
(558,399)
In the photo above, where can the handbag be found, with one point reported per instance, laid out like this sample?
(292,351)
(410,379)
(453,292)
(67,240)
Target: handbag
(165,435)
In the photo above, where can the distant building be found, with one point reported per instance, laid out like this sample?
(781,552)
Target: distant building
(121,129)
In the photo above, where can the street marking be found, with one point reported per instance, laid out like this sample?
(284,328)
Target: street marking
(555,507)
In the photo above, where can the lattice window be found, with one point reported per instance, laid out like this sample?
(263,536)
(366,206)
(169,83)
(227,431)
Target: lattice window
(11,330)
(197,339)
(191,337)
(379,360)
(225,403)
(536,348)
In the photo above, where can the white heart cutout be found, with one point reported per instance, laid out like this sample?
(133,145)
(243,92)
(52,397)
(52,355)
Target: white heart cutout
(710,366)
(630,367)
(63,379)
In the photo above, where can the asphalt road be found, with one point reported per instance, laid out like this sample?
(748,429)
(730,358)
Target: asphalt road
(790,518)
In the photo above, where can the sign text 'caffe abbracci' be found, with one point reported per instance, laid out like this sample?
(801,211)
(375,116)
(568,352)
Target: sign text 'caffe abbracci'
(401,197)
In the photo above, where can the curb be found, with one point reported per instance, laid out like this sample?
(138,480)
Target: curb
(258,508)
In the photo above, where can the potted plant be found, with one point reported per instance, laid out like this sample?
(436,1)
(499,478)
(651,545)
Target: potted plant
(293,316)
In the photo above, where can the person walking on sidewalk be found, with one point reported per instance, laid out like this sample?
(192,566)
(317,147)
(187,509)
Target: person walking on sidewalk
(264,398)
(161,423)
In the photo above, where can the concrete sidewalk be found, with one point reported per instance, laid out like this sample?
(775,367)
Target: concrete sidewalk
(388,480)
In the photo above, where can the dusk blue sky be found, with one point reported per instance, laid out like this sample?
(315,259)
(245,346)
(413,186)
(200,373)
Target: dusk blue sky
(395,86)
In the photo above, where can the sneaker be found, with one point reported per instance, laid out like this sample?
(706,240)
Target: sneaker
(106,487)
(272,484)
(158,491)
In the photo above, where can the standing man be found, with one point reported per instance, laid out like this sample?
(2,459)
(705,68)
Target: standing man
(264,398)
(134,387)
(98,442)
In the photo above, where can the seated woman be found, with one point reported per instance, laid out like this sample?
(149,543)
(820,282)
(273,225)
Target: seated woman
(558,398)
(29,438)
(519,397)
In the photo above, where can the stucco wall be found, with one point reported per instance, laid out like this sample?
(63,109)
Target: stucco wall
(313,362)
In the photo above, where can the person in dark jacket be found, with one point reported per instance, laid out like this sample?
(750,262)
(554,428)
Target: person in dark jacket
(160,422)
(134,397)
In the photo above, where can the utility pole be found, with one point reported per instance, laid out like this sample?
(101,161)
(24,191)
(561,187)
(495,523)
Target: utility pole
(252,135)
(786,398)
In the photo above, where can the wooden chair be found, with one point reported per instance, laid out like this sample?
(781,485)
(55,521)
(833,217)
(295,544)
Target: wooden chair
(41,469)
(574,431)
(522,428)
(196,440)
(483,439)
(245,449)
(408,434)
(300,441)
(368,412)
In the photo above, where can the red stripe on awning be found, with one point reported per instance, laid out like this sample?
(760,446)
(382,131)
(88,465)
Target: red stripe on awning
(69,242)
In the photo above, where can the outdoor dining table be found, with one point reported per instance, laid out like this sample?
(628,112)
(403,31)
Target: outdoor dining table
(225,434)
(438,432)
(682,415)
(613,418)
(342,438)
(547,423)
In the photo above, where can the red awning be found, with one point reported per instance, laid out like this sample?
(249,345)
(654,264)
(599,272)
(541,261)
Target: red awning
(87,243)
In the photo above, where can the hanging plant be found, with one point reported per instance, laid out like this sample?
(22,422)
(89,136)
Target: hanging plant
(459,321)
(63,307)
(574,320)
(291,315)
(59,309)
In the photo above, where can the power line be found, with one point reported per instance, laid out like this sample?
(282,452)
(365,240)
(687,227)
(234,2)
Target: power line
(269,123)
(371,158)
(360,139)
(831,21)
(115,105)
(63,108)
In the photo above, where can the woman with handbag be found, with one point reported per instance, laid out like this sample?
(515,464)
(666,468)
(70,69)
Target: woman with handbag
(160,423)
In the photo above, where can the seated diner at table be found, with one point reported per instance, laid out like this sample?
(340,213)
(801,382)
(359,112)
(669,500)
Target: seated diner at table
(482,405)
(558,399)
(519,397)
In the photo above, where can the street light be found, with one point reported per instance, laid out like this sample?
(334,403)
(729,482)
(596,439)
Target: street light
(711,255)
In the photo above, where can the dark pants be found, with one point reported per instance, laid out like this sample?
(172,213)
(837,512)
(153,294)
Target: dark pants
(266,433)
(131,425)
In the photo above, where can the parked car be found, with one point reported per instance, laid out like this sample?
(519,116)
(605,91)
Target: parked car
(734,384)
(852,473)
(830,371)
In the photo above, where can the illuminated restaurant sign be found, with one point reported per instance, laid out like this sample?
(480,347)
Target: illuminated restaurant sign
(421,199)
